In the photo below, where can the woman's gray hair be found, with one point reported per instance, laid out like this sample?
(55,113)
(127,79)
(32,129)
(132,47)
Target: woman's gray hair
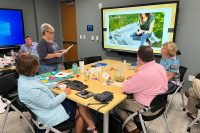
(45,27)
(171,48)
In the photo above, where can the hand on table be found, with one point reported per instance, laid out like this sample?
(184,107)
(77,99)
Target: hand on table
(64,88)
(137,69)
(67,91)
(26,53)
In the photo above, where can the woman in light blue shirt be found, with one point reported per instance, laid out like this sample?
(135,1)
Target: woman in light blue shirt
(169,59)
(49,109)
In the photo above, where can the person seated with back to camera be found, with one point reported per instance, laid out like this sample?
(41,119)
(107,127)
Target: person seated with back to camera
(193,95)
(170,61)
(29,47)
(149,81)
(49,109)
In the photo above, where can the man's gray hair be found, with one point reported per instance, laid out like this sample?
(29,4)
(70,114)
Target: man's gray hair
(45,27)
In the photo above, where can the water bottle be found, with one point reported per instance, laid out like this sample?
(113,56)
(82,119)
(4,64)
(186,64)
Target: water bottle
(119,75)
(12,53)
(88,74)
(75,68)
(81,66)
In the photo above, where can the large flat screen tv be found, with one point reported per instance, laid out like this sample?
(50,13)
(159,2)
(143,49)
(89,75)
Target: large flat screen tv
(127,28)
(11,28)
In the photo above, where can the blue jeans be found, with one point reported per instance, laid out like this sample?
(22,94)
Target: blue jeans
(143,37)
(47,68)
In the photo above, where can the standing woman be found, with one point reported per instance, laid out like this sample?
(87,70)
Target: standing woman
(48,55)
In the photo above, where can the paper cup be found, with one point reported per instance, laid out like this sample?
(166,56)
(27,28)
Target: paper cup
(62,86)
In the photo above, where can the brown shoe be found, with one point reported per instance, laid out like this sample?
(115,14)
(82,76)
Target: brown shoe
(189,115)
(134,131)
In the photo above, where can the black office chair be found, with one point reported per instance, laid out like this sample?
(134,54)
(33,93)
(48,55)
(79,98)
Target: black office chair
(44,128)
(157,104)
(195,120)
(8,84)
(8,91)
(68,64)
(92,59)
(177,86)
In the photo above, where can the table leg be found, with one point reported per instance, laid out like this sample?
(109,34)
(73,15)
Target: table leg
(106,122)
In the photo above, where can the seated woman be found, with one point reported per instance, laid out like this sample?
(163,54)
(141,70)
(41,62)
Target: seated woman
(145,29)
(49,109)
(169,59)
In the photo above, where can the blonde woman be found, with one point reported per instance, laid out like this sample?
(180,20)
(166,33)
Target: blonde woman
(170,60)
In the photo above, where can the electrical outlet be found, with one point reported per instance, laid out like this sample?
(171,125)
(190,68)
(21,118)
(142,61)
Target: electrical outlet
(92,38)
(97,38)
(100,5)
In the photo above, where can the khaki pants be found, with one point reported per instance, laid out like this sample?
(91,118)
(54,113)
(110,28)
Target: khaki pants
(194,97)
(133,106)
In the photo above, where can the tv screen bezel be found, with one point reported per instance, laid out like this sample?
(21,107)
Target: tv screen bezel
(137,5)
(22,20)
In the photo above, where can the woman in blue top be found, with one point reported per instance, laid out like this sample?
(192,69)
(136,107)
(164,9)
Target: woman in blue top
(49,109)
(169,59)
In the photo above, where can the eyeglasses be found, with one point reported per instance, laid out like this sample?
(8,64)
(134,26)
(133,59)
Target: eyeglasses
(50,32)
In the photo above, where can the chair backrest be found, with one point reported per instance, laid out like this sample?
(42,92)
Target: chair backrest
(158,102)
(26,109)
(68,64)
(61,127)
(182,71)
(8,83)
(92,59)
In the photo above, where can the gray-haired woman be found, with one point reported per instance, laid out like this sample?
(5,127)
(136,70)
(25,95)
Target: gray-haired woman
(49,56)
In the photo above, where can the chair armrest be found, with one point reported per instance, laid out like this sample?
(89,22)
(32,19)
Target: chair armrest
(135,114)
(13,94)
(46,127)
(198,106)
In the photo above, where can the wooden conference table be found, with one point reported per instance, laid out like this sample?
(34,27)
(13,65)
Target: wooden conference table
(98,86)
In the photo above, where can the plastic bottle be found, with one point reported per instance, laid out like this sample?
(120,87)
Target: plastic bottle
(88,74)
(119,74)
(81,66)
(12,53)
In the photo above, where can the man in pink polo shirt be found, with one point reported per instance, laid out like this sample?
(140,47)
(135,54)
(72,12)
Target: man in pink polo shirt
(149,81)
